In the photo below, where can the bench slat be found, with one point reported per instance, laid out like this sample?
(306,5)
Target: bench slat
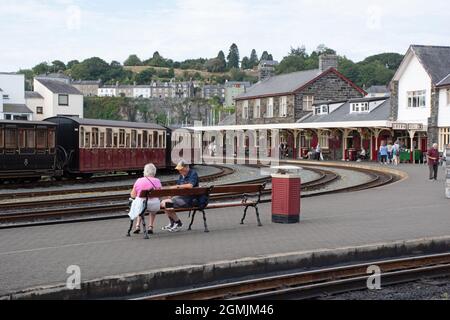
(174,192)
(250,188)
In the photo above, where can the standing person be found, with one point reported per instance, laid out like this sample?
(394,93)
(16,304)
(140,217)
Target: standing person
(188,179)
(433,161)
(390,152)
(318,152)
(396,153)
(148,182)
(383,152)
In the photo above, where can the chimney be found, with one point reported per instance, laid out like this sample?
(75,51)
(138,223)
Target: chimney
(266,69)
(327,61)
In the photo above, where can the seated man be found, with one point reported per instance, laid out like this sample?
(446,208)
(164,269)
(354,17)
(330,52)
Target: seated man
(188,179)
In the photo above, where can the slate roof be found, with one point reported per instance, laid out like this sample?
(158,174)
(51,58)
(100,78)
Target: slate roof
(378,89)
(342,114)
(59,87)
(289,83)
(33,95)
(16,108)
(443,82)
(435,60)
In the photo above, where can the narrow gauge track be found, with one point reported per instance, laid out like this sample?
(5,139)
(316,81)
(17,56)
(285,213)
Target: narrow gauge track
(103,204)
(317,283)
(224,171)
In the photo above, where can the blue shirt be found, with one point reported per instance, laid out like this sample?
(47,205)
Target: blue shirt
(383,151)
(191,178)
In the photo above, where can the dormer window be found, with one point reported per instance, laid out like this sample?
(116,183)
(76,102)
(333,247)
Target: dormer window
(360,107)
(320,110)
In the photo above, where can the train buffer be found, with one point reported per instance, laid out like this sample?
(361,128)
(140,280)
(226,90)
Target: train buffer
(209,198)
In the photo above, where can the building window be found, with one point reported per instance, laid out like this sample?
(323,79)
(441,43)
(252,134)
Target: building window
(308,102)
(360,107)
(269,113)
(283,107)
(416,99)
(322,109)
(245,109)
(5,97)
(257,109)
(39,110)
(63,100)
(444,138)
(324,140)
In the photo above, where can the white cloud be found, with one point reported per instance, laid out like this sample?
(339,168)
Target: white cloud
(73,18)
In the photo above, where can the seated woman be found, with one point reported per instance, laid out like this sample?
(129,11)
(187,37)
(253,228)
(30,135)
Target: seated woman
(148,182)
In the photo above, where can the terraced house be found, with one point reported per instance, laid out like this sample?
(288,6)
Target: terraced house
(289,97)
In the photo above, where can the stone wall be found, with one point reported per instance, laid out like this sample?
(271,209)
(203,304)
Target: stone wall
(328,87)
(263,110)
(394,101)
(433,130)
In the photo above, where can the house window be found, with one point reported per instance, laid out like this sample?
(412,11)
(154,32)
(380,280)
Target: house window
(269,113)
(39,110)
(283,107)
(324,140)
(257,109)
(245,109)
(416,99)
(308,102)
(63,99)
(444,138)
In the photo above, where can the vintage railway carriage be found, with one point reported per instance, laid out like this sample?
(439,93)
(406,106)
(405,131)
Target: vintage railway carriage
(27,149)
(92,146)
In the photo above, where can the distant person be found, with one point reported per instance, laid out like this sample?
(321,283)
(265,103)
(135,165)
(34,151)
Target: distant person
(390,152)
(396,153)
(318,152)
(383,152)
(148,182)
(433,161)
(188,179)
(362,155)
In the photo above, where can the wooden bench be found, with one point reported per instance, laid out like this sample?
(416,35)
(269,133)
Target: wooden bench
(244,192)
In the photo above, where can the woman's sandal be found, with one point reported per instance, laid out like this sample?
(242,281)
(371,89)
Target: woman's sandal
(150,230)
(137,231)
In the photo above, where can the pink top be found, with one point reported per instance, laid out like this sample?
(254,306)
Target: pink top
(145,184)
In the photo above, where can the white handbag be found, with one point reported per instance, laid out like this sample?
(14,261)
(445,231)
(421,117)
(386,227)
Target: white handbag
(136,208)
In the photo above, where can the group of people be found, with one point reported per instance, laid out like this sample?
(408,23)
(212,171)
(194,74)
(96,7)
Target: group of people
(389,153)
(188,179)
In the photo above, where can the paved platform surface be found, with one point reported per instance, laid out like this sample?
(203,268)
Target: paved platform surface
(412,209)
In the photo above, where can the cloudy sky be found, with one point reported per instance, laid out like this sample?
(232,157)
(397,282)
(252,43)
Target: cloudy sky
(44,30)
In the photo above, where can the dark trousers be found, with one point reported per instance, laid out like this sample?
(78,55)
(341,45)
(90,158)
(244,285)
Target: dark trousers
(433,171)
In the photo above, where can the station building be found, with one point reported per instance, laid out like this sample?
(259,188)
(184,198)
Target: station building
(323,107)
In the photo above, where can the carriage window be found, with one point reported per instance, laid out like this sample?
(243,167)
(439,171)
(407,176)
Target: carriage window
(133,138)
(26,138)
(81,137)
(150,141)
(128,140)
(139,140)
(121,138)
(115,140)
(41,139)
(51,139)
(155,139)
(102,140)
(1,138)
(145,139)
(109,138)
(87,139)
(94,137)
(10,138)
(160,140)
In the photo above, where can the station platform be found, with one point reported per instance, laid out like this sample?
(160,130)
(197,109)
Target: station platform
(414,208)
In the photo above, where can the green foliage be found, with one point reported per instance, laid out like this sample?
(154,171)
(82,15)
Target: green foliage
(28,78)
(193,64)
(41,68)
(233,57)
(145,76)
(58,66)
(107,108)
(133,60)
(253,59)
(71,63)
(158,61)
(245,64)
(266,56)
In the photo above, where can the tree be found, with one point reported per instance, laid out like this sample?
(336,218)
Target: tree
(133,60)
(71,63)
(253,59)
(28,78)
(266,56)
(145,76)
(233,57)
(58,66)
(245,64)
(41,68)
(92,68)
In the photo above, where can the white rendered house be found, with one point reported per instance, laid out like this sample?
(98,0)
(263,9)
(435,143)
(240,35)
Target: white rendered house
(12,97)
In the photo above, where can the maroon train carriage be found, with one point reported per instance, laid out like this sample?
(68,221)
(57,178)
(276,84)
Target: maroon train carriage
(27,150)
(91,146)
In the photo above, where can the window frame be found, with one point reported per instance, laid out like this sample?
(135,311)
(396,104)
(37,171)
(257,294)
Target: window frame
(41,110)
(283,107)
(39,146)
(307,102)
(245,109)
(24,147)
(59,100)
(269,108)
(416,99)
(257,109)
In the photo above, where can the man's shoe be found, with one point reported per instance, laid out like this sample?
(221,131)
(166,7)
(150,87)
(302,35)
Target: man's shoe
(177,227)
(168,227)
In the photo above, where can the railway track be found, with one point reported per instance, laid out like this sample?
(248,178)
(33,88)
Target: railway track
(317,283)
(108,206)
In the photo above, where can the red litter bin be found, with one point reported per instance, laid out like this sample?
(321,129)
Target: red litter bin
(286,189)
(352,154)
